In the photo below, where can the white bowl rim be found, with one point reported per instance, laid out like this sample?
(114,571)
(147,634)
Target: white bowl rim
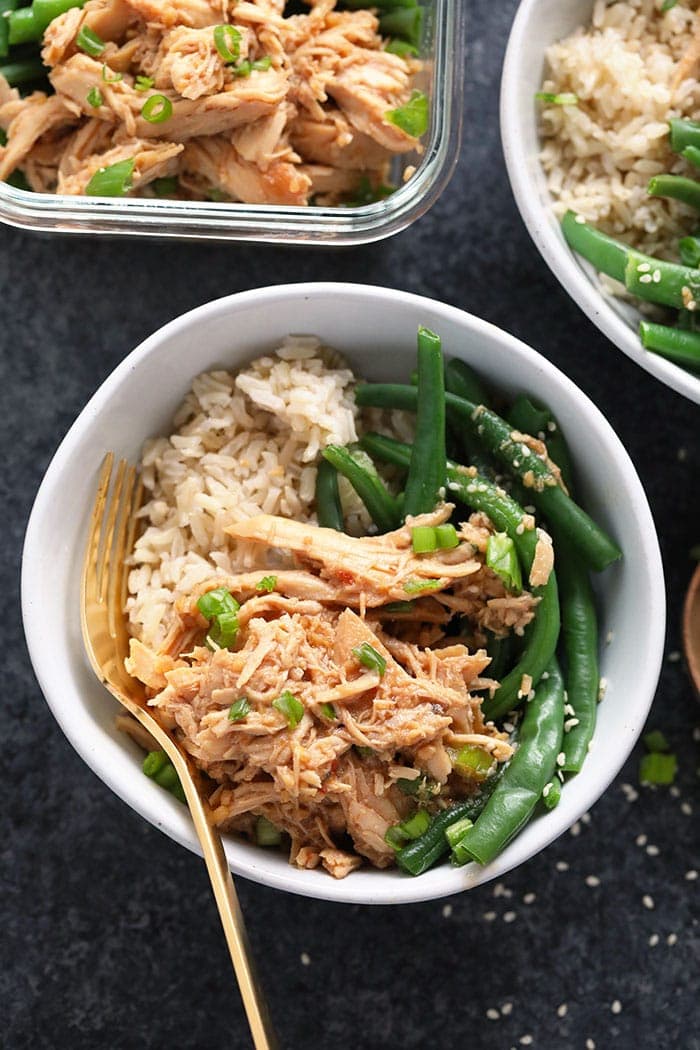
(387,887)
(549,241)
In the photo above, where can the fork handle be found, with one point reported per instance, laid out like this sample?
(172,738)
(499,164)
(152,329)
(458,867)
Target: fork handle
(256,1008)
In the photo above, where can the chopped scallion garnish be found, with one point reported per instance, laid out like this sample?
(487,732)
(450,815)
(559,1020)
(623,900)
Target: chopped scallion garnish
(221,609)
(455,831)
(239,709)
(89,42)
(368,656)
(244,69)
(266,834)
(110,77)
(94,97)
(328,711)
(423,539)
(413,828)
(158,767)
(655,741)
(473,761)
(502,558)
(157,109)
(142,83)
(227,40)
(564,98)
(292,709)
(658,768)
(268,584)
(167,186)
(398,607)
(114,181)
(416,586)
(413,116)
(401,48)
(447,537)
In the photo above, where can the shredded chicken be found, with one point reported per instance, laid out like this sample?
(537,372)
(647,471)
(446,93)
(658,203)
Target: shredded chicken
(328,769)
(298,109)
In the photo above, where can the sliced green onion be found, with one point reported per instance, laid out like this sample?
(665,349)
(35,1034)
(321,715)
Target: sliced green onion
(328,711)
(266,834)
(564,98)
(502,558)
(657,768)
(18,179)
(394,837)
(292,709)
(364,752)
(239,709)
(94,97)
(454,832)
(89,42)
(423,539)
(217,601)
(167,186)
(446,536)
(142,83)
(398,607)
(109,76)
(411,117)
(369,193)
(668,4)
(114,181)
(552,793)
(473,761)
(227,40)
(268,584)
(221,609)
(655,741)
(368,656)
(157,109)
(154,762)
(416,825)
(244,69)
(416,586)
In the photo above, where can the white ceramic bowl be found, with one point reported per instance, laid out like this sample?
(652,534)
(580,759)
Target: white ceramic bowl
(376,329)
(538,24)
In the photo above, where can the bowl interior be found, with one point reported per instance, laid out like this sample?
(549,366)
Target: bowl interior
(376,329)
(538,24)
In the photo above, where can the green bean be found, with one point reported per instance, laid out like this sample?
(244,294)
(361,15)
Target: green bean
(689,248)
(534,419)
(46,10)
(425,482)
(677,187)
(594,546)
(542,634)
(500,649)
(692,155)
(22,72)
(607,255)
(552,798)
(360,472)
(23,27)
(403,22)
(678,345)
(658,281)
(531,768)
(424,852)
(158,767)
(683,133)
(328,509)
(5,7)
(462,380)
(579,628)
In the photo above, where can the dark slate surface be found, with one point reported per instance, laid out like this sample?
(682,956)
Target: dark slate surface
(109,936)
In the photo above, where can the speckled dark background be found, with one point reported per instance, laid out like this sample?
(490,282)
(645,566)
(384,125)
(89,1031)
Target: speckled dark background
(109,937)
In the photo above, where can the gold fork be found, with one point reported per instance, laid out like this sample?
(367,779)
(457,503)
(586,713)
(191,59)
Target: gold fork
(103,596)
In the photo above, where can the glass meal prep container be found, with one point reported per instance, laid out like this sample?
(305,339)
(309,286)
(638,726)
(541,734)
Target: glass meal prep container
(442,51)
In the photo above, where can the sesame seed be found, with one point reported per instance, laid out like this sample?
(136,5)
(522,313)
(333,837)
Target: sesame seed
(507,1009)
(609,637)
(529,898)
(648,901)
(592,881)
(645,278)
(520,529)
(602,688)
(691,875)
(580,220)
(551,426)
(509,916)
(305,959)
(653,940)
(674,791)
(569,710)
(673,657)
(671,939)
(562,1010)
(644,267)
(630,793)
(447,911)
(656,276)
(546,789)
(641,840)
(561,758)
(525,1040)
(489,916)
(570,723)
(696,734)
(585,818)
(616,1006)
(686,809)
(499,890)
(561,865)
(492,1014)
(590,1045)
(682,455)
(575,829)
(653,851)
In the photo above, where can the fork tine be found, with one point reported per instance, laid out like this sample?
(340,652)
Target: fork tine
(96,521)
(107,537)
